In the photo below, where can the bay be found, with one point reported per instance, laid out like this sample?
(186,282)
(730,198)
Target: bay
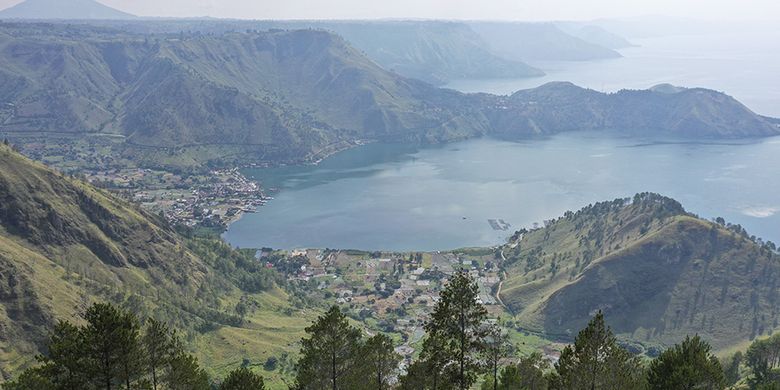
(399,197)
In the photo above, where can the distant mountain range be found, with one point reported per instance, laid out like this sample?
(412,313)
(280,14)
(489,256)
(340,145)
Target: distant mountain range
(433,51)
(295,96)
(63,9)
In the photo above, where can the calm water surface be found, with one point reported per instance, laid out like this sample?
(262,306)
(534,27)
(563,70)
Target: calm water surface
(401,198)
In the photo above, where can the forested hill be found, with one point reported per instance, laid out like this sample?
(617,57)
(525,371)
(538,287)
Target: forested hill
(292,96)
(65,245)
(657,272)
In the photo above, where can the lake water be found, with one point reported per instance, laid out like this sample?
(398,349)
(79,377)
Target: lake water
(401,198)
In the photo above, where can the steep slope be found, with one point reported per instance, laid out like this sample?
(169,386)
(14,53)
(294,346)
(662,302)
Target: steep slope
(53,229)
(320,73)
(59,9)
(65,244)
(538,42)
(657,272)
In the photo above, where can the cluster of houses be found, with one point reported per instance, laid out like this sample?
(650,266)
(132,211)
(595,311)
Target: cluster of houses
(398,290)
(222,199)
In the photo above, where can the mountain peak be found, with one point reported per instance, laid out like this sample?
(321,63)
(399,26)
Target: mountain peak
(59,9)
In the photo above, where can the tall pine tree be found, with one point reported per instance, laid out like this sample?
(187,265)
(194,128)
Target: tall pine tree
(458,322)
(158,347)
(111,344)
(329,356)
(497,347)
(689,365)
(380,362)
(597,362)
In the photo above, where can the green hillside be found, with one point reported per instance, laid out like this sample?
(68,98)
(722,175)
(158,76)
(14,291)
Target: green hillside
(65,245)
(657,273)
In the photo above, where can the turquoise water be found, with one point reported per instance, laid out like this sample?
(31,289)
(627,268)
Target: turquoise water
(405,198)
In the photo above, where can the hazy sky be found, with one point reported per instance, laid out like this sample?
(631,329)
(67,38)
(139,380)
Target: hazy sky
(448,9)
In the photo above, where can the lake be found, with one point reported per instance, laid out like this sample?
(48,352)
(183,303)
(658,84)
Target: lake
(398,197)
(403,198)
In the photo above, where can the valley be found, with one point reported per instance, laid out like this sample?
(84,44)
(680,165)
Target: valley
(256,184)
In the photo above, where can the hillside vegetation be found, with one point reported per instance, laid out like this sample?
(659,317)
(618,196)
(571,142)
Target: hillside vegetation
(657,273)
(65,245)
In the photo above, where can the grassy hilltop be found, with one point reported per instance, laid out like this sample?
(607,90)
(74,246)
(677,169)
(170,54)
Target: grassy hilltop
(657,272)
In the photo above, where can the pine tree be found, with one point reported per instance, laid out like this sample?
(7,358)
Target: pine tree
(33,379)
(689,365)
(427,371)
(731,370)
(380,361)
(64,364)
(496,348)
(597,362)
(531,371)
(110,339)
(329,353)
(527,374)
(457,320)
(510,378)
(129,349)
(186,374)
(763,357)
(242,379)
(158,347)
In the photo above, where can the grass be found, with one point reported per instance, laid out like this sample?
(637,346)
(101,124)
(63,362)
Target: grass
(658,273)
(267,332)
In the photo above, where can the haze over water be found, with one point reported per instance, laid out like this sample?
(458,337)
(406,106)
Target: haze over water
(745,65)
(401,198)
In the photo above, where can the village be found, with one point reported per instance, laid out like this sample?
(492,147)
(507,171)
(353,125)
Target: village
(396,292)
(212,200)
